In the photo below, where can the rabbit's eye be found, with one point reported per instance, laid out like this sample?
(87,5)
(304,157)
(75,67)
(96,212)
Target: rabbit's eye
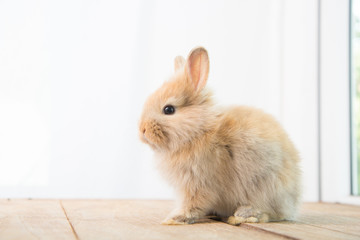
(168,110)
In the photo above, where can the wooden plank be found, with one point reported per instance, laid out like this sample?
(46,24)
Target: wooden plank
(319,221)
(338,217)
(139,219)
(297,230)
(331,209)
(33,219)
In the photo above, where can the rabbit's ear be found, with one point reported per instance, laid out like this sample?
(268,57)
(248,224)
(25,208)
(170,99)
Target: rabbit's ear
(197,68)
(179,63)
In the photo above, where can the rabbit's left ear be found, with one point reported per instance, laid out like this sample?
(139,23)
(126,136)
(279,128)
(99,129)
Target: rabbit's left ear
(179,63)
(197,68)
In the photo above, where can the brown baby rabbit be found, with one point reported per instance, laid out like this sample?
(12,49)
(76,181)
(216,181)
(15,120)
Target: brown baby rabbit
(235,162)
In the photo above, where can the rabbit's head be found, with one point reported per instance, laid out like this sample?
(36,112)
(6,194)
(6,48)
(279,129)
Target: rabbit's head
(180,110)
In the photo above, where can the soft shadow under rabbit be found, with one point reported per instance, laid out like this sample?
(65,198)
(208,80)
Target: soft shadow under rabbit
(236,162)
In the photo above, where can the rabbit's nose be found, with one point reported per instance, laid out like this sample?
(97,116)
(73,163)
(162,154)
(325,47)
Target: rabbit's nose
(141,126)
(143,130)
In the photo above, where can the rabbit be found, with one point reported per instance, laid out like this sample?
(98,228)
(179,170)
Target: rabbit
(234,162)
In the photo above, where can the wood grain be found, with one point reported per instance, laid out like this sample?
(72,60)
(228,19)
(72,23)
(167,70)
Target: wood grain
(114,219)
(320,221)
(339,217)
(140,219)
(33,219)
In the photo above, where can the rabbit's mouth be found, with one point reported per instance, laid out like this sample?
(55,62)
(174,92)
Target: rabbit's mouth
(145,138)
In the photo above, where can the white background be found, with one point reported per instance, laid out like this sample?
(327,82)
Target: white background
(74,76)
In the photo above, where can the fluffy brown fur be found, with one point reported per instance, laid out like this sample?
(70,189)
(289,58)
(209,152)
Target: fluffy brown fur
(236,162)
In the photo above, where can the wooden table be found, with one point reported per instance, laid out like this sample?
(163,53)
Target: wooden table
(140,219)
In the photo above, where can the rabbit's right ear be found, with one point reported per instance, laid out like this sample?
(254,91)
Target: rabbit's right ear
(179,63)
(197,68)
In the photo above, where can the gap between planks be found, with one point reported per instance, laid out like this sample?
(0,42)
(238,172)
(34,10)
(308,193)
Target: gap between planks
(254,227)
(67,218)
(330,229)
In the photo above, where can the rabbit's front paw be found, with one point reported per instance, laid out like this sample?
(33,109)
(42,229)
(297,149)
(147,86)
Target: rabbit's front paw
(246,214)
(178,220)
(236,220)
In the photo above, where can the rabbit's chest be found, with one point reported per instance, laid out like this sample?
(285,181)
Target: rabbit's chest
(186,169)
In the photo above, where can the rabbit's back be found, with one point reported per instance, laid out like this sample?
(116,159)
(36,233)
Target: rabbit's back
(261,163)
(246,160)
